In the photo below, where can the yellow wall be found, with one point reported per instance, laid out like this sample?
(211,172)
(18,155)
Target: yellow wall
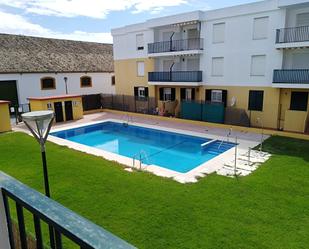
(269,115)
(126,76)
(295,121)
(37,105)
(5,123)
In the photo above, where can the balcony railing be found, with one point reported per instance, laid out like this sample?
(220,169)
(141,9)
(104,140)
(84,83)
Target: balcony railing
(174,46)
(296,34)
(291,76)
(62,222)
(176,76)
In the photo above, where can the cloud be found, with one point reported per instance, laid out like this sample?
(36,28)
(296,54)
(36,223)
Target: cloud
(89,8)
(16,24)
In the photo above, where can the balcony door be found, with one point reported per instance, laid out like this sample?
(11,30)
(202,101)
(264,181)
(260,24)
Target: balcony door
(300,61)
(192,39)
(302,19)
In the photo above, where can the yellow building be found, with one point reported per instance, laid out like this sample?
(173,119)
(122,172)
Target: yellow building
(65,107)
(5,123)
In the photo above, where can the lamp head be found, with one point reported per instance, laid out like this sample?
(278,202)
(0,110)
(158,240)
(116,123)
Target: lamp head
(38,122)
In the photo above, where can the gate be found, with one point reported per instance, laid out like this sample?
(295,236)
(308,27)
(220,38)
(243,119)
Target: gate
(203,111)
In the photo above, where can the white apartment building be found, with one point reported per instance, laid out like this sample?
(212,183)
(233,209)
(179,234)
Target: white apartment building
(253,57)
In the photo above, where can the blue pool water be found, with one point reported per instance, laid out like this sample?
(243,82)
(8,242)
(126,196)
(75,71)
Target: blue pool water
(174,151)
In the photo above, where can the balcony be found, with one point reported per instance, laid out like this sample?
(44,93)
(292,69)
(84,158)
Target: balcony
(175,78)
(62,222)
(292,37)
(291,78)
(192,46)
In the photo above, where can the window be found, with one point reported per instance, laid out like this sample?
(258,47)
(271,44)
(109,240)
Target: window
(140,68)
(299,101)
(217,66)
(216,96)
(140,92)
(49,106)
(256,99)
(218,33)
(113,80)
(187,93)
(48,83)
(258,65)
(260,28)
(140,42)
(85,81)
(167,94)
(302,19)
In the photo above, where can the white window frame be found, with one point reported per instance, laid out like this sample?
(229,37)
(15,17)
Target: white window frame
(188,93)
(216,96)
(140,68)
(141,92)
(252,70)
(140,42)
(257,36)
(215,27)
(213,73)
(167,94)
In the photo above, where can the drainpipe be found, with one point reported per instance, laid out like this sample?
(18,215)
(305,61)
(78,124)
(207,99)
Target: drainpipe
(171,42)
(171,69)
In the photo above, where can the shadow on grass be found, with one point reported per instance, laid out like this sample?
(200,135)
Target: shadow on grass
(287,146)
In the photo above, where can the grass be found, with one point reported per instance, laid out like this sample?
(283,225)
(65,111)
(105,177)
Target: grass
(268,209)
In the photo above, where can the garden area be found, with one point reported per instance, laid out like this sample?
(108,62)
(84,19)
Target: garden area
(267,209)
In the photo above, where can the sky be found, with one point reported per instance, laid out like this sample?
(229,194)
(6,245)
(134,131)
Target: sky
(90,20)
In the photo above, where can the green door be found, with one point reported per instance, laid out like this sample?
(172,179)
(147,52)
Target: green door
(8,91)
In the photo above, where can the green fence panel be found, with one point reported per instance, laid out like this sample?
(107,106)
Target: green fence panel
(191,110)
(213,112)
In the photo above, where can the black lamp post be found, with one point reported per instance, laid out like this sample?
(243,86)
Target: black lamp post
(66,84)
(39,123)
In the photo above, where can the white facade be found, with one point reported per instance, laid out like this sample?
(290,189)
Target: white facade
(29,84)
(239,41)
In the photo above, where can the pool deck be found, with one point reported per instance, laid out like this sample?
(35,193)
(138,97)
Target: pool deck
(222,164)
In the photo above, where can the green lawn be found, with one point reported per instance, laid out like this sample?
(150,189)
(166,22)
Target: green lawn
(268,209)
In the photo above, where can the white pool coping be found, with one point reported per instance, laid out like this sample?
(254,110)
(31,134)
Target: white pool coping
(206,168)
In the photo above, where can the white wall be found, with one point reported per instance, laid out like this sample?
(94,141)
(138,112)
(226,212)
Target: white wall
(238,48)
(124,45)
(29,85)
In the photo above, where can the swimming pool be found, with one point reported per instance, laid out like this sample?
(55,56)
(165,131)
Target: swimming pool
(170,150)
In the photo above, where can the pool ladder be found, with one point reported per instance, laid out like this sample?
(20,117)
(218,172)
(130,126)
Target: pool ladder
(127,119)
(227,138)
(139,155)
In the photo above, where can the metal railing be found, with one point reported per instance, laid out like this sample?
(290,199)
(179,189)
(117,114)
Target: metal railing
(295,34)
(63,221)
(176,76)
(175,45)
(291,76)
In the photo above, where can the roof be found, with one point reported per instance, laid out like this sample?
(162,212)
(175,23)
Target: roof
(4,102)
(55,97)
(26,54)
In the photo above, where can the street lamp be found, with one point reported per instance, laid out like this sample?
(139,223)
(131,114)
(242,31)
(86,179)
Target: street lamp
(39,123)
(66,84)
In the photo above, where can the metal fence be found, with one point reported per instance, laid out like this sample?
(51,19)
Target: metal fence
(176,76)
(296,34)
(91,102)
(17,110)
(176,45)
(291,76)
(146,105)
